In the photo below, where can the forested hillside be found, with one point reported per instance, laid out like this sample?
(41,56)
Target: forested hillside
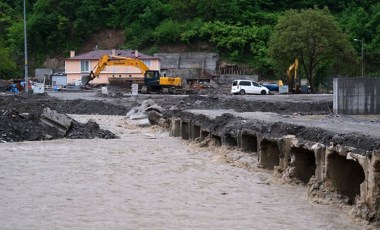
(240,30)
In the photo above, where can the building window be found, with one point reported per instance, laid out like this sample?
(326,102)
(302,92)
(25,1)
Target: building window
(85,66)
(148,63)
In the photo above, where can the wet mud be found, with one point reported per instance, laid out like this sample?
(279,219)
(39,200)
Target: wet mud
(20,113)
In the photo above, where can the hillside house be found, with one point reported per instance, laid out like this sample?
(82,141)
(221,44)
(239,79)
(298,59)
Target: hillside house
(79,66)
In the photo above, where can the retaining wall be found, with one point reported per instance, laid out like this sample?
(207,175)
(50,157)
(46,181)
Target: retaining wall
(196,60)
(190,65)
(356,96)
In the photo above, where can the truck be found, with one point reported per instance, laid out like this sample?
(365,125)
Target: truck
(153,80)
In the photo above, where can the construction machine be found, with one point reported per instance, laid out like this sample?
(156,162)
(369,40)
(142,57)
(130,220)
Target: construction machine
(293,80)
(153,81)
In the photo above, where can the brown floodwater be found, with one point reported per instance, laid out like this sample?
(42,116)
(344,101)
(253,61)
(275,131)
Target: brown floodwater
(145,180)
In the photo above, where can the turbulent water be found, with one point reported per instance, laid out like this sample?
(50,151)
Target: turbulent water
(145,180)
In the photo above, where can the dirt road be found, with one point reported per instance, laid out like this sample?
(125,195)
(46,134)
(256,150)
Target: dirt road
(145,180)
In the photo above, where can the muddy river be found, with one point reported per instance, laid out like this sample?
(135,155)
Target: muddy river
(145,180)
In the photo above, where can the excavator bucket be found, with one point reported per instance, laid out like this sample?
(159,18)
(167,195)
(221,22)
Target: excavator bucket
(88,78)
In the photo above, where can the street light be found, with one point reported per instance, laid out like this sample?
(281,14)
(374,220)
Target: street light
(361,40)
(26,52)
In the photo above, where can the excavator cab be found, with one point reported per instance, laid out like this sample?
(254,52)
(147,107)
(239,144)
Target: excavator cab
(152,78)
(151,81)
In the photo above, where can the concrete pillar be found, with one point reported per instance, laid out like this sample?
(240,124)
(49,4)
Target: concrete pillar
(284,145)
(175,127)
(320,161)
(373,183)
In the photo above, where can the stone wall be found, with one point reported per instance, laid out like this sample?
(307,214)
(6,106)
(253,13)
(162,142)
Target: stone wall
(356,96)
(188,65)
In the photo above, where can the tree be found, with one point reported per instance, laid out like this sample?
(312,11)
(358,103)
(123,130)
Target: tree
(6,63)
(364,24)
(313,37)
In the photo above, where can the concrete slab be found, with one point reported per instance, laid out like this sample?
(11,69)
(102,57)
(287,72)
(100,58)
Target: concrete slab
(54,119)
(366,125)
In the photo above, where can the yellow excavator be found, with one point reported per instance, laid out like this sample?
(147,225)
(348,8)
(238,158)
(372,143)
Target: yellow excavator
(293,80)
(153,81)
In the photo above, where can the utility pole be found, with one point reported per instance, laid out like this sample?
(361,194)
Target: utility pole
(361,40)
(26,51)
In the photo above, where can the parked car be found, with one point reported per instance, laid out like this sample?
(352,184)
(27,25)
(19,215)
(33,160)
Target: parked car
(248,87)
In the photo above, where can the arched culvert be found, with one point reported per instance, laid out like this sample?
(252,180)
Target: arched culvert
(217,140)
(185,130)
(249,142)
(196,131)
(269,154)
(345,175)
(230,140)
(303,161)
(204,134)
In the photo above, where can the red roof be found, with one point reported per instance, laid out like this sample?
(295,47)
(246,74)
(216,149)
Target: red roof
(97,54)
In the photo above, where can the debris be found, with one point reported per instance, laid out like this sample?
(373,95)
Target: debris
(46,125)
(154,117)
(89,130)
(148,113)
(104,91)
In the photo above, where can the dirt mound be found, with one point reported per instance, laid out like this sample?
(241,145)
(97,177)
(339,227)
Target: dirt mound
(35,103)
(15,127)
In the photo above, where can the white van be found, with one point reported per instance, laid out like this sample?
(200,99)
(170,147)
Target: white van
(248,87)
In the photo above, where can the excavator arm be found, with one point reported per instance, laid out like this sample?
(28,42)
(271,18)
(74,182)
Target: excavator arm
(292,76)
(109,60)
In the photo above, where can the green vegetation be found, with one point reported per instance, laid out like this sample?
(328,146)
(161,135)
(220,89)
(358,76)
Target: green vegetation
(242,31)
(314,38)
(6,63)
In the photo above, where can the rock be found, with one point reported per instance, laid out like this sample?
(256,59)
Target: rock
(48,137)
(154,117)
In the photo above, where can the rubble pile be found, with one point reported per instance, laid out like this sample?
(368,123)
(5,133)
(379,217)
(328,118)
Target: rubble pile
(16,126)
(88,130)
(35,103)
